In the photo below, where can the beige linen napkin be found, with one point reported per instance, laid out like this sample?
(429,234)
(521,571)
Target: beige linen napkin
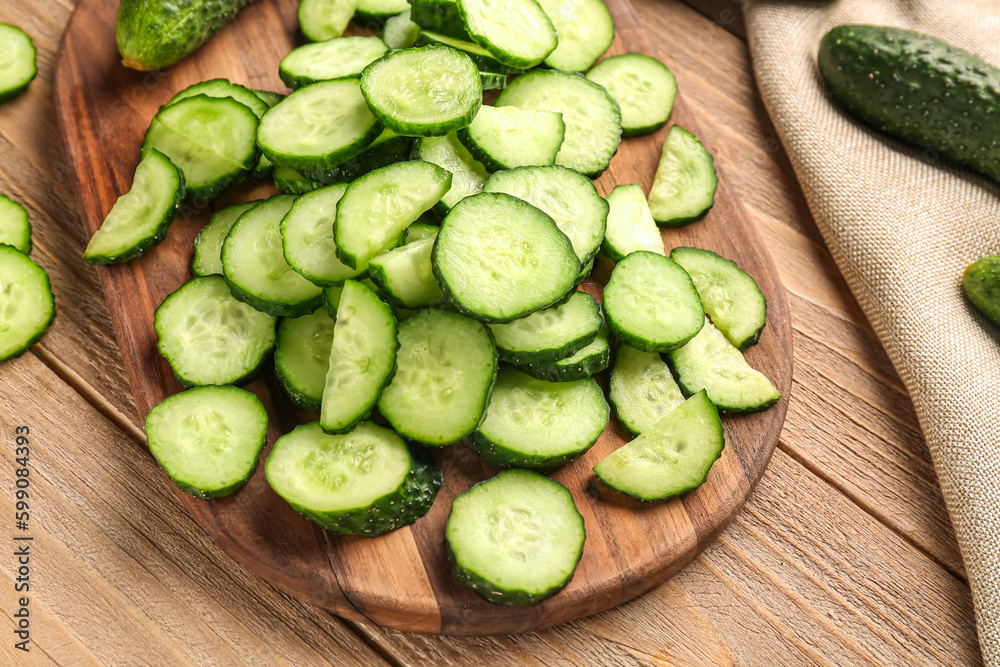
(902,226)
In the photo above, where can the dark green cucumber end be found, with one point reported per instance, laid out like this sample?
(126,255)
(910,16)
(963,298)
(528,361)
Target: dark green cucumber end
(981,283)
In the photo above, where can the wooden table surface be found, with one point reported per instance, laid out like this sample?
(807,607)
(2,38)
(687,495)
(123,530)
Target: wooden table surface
(844,555)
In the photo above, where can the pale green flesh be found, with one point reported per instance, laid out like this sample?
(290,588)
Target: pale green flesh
(419,230)
(406,273)
(224,88)
(579,319)
(400,31)
(642,86)
(515,32)
(468,175)
(325,19)
(642,389)
(382,7)
(335,473)
(630,224)
(685,181)
(585,31)
(17,59)
(15,230)
(208,246)
(25,301)
(672,457)
(514,137)
(307,237)
(334,58)
(302,353)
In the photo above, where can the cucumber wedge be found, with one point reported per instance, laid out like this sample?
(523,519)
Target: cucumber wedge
(325,19)
(551,334)
(15,230)
(405,275)
(684,186)
(642,86)
(643,390)
(302,357)
(468,175)
(518,33)
(338,58)
(630,224)
(307,237)
(508,137)
(207,258)
(26,304)
(17,61)
(586,362)
(585,31)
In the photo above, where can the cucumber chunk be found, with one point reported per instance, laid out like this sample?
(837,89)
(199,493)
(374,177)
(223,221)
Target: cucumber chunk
(15,230)
(389,148)
(372,14)
(585,30)
(480,56)
(362,358)
(672,457)
(400,31)
(710,362)
(439,16)
(537,424)
(423,92)
(508,137)
(587,361)
(642,86)
(516,538)
(294,182)
(140,218)
(325,19)
(207,258)
(551,334)
(651,303)
(26,303)
(17,61)
(208,439)
(366,482)
(208,337)
(446,366)
(730,296)
(307,237)
(643,390)
(224,88)
(468,174)
(684,186)
(630,224)
(338,58)
(518,33)
(302,357)
(406,275)
(981,283)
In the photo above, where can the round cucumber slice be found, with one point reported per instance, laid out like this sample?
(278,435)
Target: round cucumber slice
(307,237)
(518,33)
(585,30)
(642,86)
(508,137)
(325,19)
(337,58)
(405,274)
(643,390)
(17,61)
(684,186)
(207,258)
(587,362)
(26,303)
(302,357)
(551,334)
(15,230)
(372,14)
(293,182)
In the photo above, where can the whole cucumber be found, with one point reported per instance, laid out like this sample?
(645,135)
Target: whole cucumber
(917,88)
(157,33)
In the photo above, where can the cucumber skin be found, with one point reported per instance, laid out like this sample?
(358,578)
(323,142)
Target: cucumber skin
(390,151)
(552,372)
(950,98)
(981,283)
(274,308)
(294,182)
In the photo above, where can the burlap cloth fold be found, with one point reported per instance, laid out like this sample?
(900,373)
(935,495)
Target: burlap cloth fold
(902,226)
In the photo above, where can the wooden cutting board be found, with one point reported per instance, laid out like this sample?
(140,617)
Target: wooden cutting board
(401,580)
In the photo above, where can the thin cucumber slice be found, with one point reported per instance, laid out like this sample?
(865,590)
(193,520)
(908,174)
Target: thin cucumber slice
(293,182)
(493,80)
(684,186)
(538,424)
(208,337)
(372,14)
(208,439)
(337,58)
(499,258)
(302,357)
(439,16)
(567,196)
(518,33)
(587,362)
(17,61)
(140,218)
(585,30)
(446,366)
(366,482)
(224,88)
(26,303)
(423,92)
(389,148)
(406,276)
(325,19)
(516,538)
(380,205)
(643,390)
(651,303)
(254,264)
(480,56)
(508,137)
(550,334)
(269,98)
(400,31)
(15,230)
(468,174)
(730,296)
(630,224)
(710,362)
(672,457)
(208,244)
(307,237)
(419,230)
(319,126)
(212,140)
(593,122)
(642,86)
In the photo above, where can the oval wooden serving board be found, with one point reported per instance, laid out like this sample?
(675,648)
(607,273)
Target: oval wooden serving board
(401,580)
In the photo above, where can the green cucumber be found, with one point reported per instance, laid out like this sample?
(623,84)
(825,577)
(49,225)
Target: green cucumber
(388,148)
(293,182)
(17,61)
(439,16)
(685,181)
(405,274)
(26,304)
(468,174)
(630,224)
(643,390)
(321,20)
(207,258)
(224,88)
(15,230)
(585,363)
(642,86)
(981,282)
(585,30)
(551,334)
(508,137)
(302,357)
(338,58)
(480,56)
(400,31)
(307,237)
(518,33)
(373,14)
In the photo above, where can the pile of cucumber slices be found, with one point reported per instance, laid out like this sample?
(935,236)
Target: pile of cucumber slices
(417,281)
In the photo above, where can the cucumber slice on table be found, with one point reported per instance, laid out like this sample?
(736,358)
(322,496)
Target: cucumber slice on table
(551,334)
(372,14)
(684,186)
(302,357)
(516,538)
(338,58)
(585,30)
(439,16)
(468,174)
(670,458)
(26,303)
(17,61)
(651,303)
(207,258)
(480,56)
(208,337)
(537,424)
(400,31)
(389,148)
(586,362)
(208,439)
(406,276)
(307,237)
(630,224)
(294,182)
(254,264)
(642,86)
(140,218)
(446,366)
(224,88)
(325,19)
(508,137)
(365,482)
(518,33)
(423,92)
(15,230)
(643,390)
(362,358)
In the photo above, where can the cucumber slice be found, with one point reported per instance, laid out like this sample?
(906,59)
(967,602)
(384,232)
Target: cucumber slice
(672,457)
(389,148)
(493,81)
(423,92)
(208,337)
(332,296)
(684,186)
(567,196)
(508,137)
(516,538)
(224,88)
(446,367)
(406,276)
(630,224)
(518,33)
(307,237)
(498,258)
(319,126)
(419,230)
(325,19)
(208,439)
(710,362)
(26,303)
(294,182)
(254,264)
(480,56)
(15,230)
(642,86)
(550,334)
(372,14)
(593,122)
(366,482)
(537,424)
(643,390)
(439,16)
(730,296)
(587,361)
(585,30)
(17,61)
(208,244)
(302,357)
(468,175)
(400,31)
(212,140)
(337,58)
(140,218)
(651,303)
(380,205)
